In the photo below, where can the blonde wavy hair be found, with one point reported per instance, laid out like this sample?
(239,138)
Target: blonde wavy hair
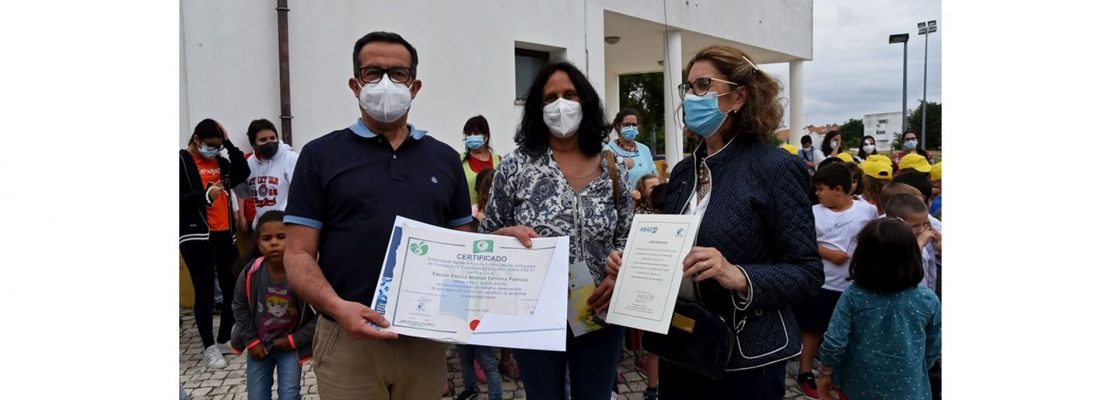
(762,113)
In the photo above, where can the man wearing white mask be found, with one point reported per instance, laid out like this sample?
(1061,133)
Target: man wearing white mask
(347,188)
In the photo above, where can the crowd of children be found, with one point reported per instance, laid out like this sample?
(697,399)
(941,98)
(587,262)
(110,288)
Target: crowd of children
(873,331)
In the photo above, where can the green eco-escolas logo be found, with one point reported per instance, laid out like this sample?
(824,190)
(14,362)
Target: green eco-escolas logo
(483,246)
(419,248)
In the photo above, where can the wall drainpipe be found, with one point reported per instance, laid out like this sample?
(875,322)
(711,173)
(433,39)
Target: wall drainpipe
(285,84)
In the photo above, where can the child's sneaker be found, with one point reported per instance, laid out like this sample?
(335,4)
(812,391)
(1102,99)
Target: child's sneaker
(468,394)
(649,394)
(808,384)
(214,357)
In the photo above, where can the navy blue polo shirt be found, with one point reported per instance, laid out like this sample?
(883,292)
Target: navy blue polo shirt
(350,184)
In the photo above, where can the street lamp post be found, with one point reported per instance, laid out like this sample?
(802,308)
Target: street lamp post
(924,29)
(902,38)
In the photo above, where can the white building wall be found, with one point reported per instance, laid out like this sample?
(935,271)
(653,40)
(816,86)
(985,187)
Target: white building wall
(229,66)
(882,131)
(231,70)
(783,26)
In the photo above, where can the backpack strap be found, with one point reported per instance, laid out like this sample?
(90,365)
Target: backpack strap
(612,169)
(249,278)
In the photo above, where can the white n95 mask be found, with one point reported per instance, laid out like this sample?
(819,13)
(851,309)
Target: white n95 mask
(563,117)
(385,101)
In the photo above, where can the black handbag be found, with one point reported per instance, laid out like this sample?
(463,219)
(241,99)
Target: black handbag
(698,340)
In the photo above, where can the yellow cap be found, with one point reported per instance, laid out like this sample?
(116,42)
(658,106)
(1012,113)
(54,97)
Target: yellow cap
(877,169)
(915,161)
(935,172)
(790,148)
(880,158)
(846,157)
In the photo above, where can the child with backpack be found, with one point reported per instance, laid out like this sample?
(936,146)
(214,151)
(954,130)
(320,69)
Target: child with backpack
(274,326)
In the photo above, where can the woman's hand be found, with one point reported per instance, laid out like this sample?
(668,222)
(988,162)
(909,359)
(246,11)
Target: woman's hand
(214,191)
(614,263)
(636,195)
(601,297)
(707,262)
(521,232)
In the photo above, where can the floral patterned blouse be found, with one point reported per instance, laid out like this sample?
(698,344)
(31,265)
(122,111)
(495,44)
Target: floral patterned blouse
(532,191)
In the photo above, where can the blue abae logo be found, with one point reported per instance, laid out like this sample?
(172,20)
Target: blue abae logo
(419,248)
(483,246)
(648,229)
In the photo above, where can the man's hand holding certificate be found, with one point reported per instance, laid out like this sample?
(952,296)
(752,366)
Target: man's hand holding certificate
(460,287)
(650,276)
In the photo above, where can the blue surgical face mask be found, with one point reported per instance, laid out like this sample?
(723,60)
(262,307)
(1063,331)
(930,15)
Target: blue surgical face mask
(208,152)
(474,142)
(702,115)
(910,144)
(629,132)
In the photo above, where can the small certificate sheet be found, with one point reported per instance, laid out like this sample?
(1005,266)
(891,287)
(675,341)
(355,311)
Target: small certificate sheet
(652,267)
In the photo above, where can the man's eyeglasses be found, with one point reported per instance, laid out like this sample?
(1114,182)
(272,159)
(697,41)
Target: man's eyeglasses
(374,74)
(700,86)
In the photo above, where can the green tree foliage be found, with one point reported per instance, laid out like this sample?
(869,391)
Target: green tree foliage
(646,94)
(853,132)
(896,143)
(933,124)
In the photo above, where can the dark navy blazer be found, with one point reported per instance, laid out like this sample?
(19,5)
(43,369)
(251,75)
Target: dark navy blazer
(760,218)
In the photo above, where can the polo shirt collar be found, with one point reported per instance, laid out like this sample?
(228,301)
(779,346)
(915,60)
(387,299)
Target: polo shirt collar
(359,128)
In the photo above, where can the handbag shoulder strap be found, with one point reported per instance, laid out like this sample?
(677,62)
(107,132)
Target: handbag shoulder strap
(612,169)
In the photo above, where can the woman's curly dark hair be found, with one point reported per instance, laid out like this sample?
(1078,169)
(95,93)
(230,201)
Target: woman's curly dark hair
(532,134)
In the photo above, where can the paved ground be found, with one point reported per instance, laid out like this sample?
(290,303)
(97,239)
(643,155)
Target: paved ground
(202,382)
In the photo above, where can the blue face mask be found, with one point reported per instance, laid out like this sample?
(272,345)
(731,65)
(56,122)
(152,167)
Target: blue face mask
(208,152)
(702,115)
(474,142)
(910,144)
(629,132)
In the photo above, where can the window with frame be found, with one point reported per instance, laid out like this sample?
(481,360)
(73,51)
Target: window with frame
(527,63)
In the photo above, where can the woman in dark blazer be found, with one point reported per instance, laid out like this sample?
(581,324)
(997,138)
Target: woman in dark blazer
(756,251)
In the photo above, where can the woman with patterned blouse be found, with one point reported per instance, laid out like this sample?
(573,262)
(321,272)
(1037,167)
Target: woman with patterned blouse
(559,182)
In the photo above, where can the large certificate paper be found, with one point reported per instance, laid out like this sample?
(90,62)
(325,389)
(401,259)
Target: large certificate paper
(652,268)
(460,287)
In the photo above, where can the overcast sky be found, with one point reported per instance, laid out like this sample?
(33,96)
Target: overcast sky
(854,71)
